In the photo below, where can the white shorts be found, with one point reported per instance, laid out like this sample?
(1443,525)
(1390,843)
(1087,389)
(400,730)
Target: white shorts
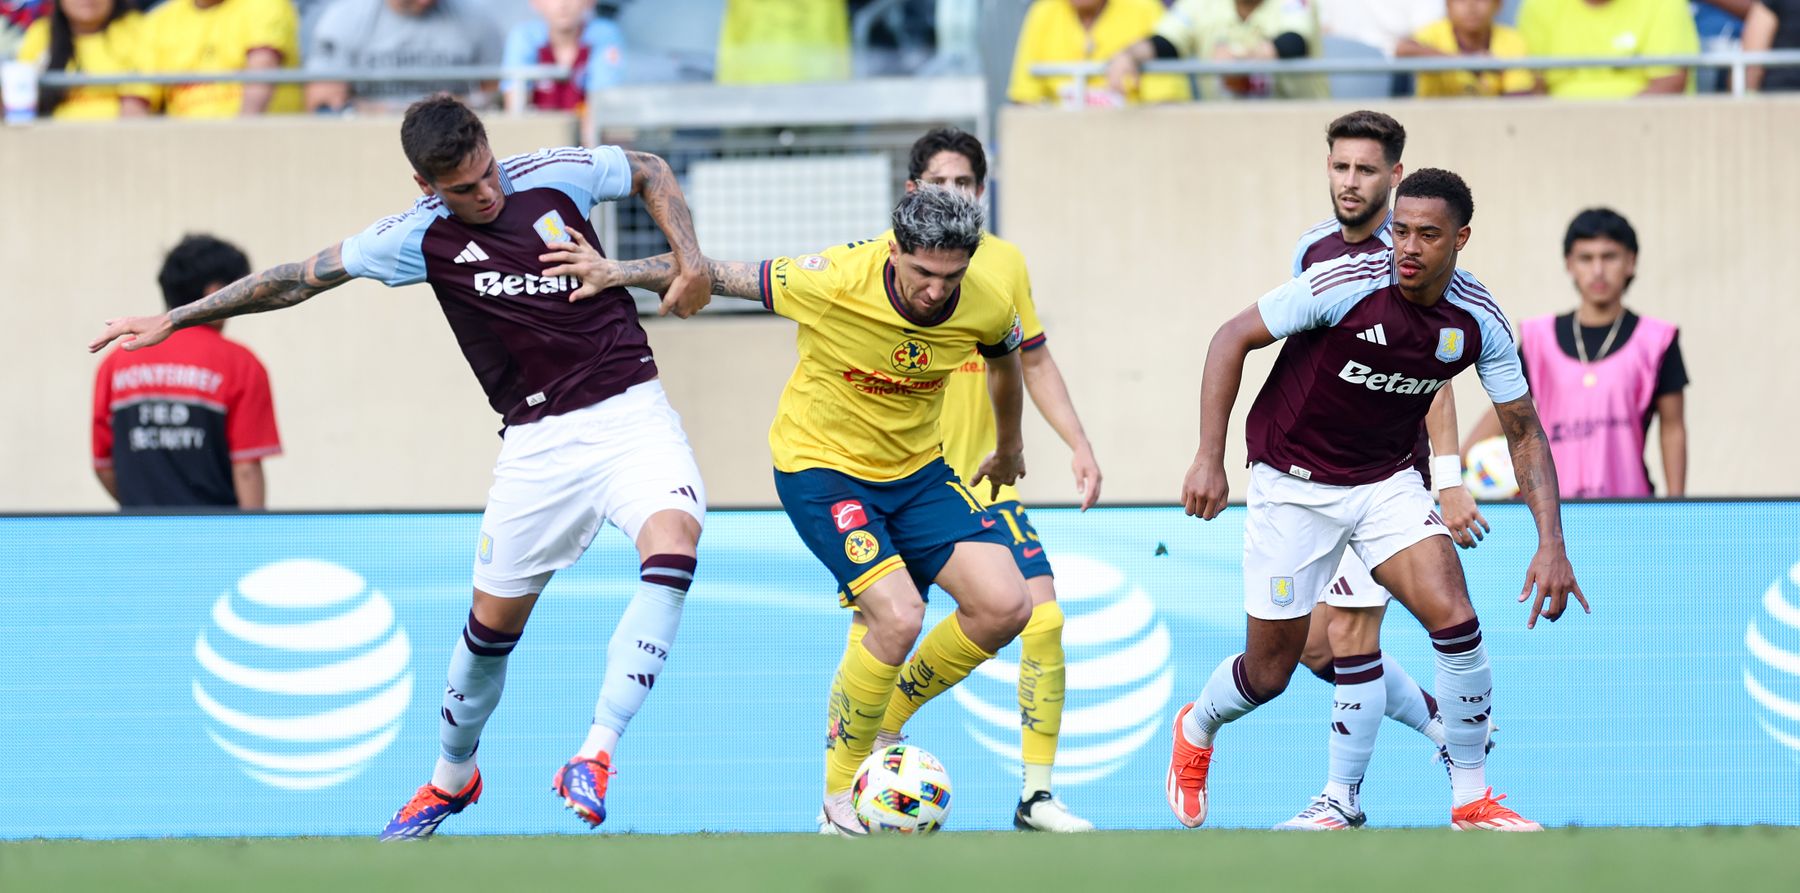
(1296,532)
(557,479)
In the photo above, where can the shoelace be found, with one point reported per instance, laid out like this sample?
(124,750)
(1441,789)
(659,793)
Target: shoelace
(1196,764)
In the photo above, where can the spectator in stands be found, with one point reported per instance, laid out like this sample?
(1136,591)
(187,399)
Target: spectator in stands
(564,32)
(1611,29)
(1382,24)
(1773,25)
(1468,29)
(221,36)
(390,36)
(91,37)
(1599,374)
(783,41)
(15,17)
(1230,30)
(186,422)
(1086,31)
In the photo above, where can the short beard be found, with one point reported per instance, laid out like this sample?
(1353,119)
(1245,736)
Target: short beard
(1367,215)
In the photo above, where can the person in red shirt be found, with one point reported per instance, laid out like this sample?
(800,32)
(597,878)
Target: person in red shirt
(186,423)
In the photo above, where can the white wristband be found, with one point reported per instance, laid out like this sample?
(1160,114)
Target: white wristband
(1446,471)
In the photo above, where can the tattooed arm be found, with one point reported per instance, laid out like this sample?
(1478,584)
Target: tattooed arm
(654,184)
(1549,572)
(272,289)
(737,279)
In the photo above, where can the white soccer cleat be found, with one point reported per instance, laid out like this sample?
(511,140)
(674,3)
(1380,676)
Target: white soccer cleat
(1044,812)
(1324,814)
(838,817)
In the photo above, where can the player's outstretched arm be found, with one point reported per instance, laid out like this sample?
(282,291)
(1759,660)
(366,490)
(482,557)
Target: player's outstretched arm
(654,184)
(1549,572)
(272,289)
(1006,388)
(1044,382)
(1204,491)
(737,279)
(1455,503)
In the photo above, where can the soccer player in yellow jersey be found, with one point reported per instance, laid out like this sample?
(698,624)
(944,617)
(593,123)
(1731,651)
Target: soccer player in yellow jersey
(883,325)
(952,158)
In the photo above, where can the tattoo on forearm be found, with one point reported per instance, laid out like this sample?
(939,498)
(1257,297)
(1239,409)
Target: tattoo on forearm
(661,195)
(272,289)
(738,279)
(1533,466)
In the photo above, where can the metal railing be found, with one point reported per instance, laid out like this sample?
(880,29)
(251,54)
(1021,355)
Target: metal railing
(307,75)
(1737,61)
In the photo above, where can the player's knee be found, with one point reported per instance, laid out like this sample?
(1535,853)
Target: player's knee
(1318,659)
(1355,632)
(1268,679)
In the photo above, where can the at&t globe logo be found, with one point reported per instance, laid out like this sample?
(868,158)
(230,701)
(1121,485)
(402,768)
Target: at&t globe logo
(1772,674)
(304,674)
(1119,677)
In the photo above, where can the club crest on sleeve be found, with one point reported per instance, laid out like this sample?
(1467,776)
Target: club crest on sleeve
(861,546)
(1450,344)
(1281,591)
(814,262)
(551,228)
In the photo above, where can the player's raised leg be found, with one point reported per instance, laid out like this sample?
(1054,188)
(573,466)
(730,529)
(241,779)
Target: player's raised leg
(472,689)
(892,613)
(992,608)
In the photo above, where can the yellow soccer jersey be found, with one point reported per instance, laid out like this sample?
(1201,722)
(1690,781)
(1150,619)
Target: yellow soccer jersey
(1053,33)
(179,36)
(968,421)
(869,386)
(106,52)
(1503,43)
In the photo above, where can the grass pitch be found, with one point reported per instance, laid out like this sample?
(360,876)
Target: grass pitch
(1584,860)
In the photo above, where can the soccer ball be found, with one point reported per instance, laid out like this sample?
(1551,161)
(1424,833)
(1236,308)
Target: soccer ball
(901,790)
(1489,474)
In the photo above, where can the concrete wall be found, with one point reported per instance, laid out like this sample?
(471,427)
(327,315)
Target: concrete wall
(1144,228)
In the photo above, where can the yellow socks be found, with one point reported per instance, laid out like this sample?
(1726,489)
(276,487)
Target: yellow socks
(1040,693)
(945,657)
(859,695)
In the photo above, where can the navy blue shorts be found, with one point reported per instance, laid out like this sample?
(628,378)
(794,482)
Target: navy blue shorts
(865,530)
(1028,551)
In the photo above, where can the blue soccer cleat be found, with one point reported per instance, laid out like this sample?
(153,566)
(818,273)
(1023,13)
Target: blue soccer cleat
(581,782)
(429,806)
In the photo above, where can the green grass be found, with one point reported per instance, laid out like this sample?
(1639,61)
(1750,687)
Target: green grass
(1585,860)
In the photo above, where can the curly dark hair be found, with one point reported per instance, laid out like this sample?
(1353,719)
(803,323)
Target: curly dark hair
(1368,125)
(1431,182)
(438,134)
(196,262)
(947,139)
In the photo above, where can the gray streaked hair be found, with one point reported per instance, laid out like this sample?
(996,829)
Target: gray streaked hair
(937,217)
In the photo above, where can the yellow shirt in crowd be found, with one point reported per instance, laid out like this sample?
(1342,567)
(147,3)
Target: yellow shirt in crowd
(867,392)
(783,41)
(1503,43)
(1198,27)
(1620,28)
(1053,33)
(179,36)
(110,51)
(968,421)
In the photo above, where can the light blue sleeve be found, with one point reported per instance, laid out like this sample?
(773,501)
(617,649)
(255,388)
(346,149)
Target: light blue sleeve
(587,176)
(522,44)
(1502,374)
(1296,306)
(606,54)
(391,250)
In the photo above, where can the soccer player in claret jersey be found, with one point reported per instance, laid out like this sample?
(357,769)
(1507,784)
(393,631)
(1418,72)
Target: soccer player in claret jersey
(954,159)
(1362,165)
(1330,439)
(589,438)
(858,463)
